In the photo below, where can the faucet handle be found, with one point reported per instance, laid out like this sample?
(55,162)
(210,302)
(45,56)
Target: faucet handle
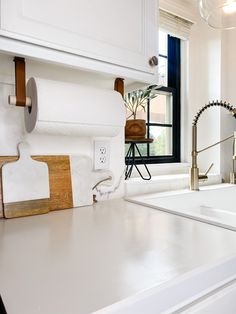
(204,176)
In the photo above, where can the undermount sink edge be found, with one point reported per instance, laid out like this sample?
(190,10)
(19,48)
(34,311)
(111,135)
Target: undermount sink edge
(212,204)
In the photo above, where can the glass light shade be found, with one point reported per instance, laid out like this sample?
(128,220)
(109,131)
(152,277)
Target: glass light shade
(219,14)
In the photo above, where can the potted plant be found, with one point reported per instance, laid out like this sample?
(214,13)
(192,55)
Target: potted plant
(136,101)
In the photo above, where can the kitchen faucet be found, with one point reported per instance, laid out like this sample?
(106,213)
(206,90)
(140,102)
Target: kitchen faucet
(194,171)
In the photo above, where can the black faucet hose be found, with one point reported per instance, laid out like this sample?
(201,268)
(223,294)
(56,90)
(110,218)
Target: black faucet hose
(229,107)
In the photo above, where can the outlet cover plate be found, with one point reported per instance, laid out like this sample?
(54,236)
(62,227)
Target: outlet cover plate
(101,155)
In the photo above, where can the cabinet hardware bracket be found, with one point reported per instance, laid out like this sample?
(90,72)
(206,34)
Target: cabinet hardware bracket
(20,98)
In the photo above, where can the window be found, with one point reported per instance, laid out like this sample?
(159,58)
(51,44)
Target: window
(163,112)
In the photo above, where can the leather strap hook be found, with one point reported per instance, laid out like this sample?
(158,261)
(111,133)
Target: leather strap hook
(20,98)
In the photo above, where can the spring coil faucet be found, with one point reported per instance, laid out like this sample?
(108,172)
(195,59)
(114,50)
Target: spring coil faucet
(194,171)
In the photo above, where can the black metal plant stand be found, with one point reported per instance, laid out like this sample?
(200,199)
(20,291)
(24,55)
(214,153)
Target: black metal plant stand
(130,158)
(2,307)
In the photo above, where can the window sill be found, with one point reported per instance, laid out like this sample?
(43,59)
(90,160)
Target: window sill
(163,183)
(163,169)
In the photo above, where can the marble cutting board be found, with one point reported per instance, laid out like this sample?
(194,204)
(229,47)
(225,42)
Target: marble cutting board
(69,180)
(25,185)
(81,178)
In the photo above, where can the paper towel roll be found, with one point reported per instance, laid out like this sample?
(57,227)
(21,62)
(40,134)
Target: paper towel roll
(72,109)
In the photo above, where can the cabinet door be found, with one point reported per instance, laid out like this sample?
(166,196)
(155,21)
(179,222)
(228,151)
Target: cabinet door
(121,32)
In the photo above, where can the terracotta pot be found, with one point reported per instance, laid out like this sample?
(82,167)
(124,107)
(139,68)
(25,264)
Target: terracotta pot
(135,129)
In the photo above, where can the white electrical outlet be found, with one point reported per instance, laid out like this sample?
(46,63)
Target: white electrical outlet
(101,155)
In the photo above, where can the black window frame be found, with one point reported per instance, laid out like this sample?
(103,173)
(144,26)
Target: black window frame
(174,68)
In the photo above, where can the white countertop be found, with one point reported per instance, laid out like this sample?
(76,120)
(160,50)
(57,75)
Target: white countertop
(81,260)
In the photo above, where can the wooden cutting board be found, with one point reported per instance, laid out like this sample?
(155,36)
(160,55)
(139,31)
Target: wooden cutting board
(4,159)
(59,180)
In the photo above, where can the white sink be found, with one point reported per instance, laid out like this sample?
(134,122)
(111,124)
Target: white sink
(213,204)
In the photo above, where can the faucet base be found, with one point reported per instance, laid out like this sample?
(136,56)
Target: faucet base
(194,175)
(232,177)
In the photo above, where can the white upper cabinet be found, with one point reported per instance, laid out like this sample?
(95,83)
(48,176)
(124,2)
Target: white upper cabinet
(121,34)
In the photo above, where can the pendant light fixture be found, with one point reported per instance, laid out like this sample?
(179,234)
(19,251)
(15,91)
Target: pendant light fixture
(219,14)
